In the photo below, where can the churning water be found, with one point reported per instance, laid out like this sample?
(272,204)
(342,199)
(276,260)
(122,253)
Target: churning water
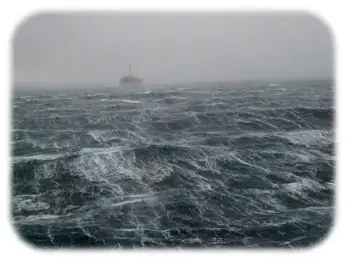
(200,165)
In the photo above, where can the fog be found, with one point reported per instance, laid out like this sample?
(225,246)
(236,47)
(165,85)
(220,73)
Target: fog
(70,49)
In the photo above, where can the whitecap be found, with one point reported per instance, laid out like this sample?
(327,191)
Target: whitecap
(41,157)
(308,137)
(28,203)
(131,101)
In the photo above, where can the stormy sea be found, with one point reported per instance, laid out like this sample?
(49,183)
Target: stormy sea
(200,165)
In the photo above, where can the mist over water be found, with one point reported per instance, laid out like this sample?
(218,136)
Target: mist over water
(195,165)
(56,50)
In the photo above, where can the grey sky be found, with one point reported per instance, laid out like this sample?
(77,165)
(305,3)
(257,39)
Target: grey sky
(86,49)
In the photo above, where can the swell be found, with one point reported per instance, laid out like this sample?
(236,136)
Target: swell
(86,177)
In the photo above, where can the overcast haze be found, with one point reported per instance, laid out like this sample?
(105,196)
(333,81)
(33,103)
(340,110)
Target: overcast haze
(84,49)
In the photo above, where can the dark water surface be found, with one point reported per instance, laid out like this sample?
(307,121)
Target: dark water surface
(198,165)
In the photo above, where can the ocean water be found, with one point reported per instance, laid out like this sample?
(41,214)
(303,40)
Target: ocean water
(247,164)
